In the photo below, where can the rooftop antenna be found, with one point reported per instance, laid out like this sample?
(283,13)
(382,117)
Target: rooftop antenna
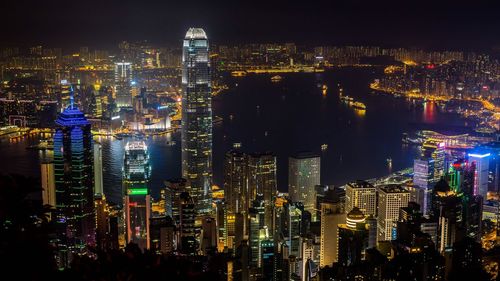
(71,97)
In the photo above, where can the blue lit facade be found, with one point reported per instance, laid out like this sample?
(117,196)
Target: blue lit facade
(197,118)
(74,180)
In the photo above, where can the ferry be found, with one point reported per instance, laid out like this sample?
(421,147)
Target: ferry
(276,78)
(8,130)
(44,144)
(346,98)
(324,147)
(359,105)
(324,89)
(123,135)
(238,73)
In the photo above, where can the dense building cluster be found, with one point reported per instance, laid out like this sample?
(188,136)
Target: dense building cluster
(439,223)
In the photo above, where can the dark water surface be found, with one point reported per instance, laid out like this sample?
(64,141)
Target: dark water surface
(285,117)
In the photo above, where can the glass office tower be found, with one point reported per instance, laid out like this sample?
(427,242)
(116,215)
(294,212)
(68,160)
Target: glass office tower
(123,84)
(74,180)
(136,176)
(197,118)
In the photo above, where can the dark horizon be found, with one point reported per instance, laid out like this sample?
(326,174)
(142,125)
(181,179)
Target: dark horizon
(102,24)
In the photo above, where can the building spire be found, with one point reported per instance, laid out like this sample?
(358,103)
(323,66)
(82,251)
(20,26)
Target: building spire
(71,97)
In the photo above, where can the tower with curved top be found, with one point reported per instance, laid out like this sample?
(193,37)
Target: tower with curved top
(197,118)
(74,179)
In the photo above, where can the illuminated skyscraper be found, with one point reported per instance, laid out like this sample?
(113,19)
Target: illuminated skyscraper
(447,209)
(332,215)
(74,179)
(64,95)
(481,175)
(246,178)
(197,118)
(98,183)
(435,149)
(235,182)
(257,233)
(187,229)
(294,215)
(362,195)
(463,178)
(303,175)
(262,182)
(268,260)
(136,175)
(172,196)
(162,232)
(423,178)
(353,238)
(390,199)
(48,184)
(123,84)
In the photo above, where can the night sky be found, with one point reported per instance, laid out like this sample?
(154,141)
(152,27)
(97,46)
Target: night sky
(103,23)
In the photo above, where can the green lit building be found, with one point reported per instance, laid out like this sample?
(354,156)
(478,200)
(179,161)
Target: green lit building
(137,203)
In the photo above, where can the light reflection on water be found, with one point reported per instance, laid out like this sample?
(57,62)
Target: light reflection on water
(284,117)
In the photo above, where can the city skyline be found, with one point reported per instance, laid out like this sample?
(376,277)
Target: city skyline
(253,162)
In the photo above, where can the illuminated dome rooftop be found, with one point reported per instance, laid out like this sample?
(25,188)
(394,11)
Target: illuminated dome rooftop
(356,214)
(354,217)
(196,33)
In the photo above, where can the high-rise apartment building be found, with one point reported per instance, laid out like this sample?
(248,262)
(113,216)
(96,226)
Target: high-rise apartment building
(362,195)
(390,199)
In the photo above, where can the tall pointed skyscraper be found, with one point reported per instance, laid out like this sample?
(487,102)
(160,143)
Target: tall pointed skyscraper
(197,118)
(74,179)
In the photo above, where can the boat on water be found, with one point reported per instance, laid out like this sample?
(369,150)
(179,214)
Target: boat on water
(124,135)
(324,147)
(389,161)
(43,144)
(276,78)
(7,130)
(359,105)
(346,98)
(324,89)
(238,73)
(171,143)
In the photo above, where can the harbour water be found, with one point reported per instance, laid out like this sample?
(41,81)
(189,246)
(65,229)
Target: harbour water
(284,117)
